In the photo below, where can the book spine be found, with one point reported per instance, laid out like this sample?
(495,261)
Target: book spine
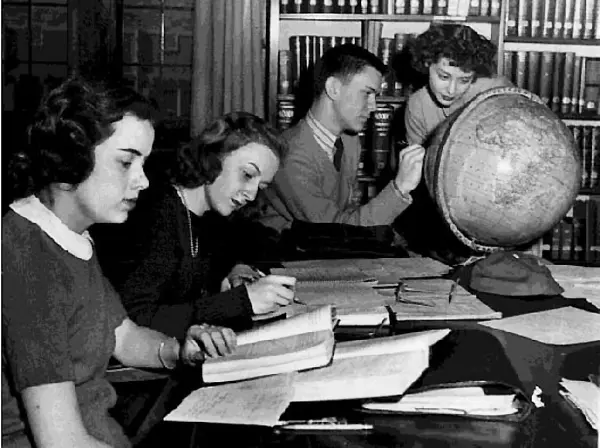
(568,19)
(374,6)
(594,223)
(363,7)
(559,63)
(521,69)
(508,68)
(400,7)
(285,114)
(387,7)
(495,8)
(576,84)
(296,64)
(586,156)
(427,7)
(327,6)
(596,16)
(579,227)
(548,18)
(581,102)
(559,19)
(556,242)
(588,18)
(363,159)
(595,156)
(566,248)
(312,6)
(567,83)
(511,19)
(577,132)
(546,71)
(284,6)
(591,98)
(386,46)
(578,11)
(523,26)
(285,72)
(414,7)
(474,8)
(319,48)
(440,7)
(484,8)
(297,6)
(380,141)
(533,75)
(343,7)
(536,17)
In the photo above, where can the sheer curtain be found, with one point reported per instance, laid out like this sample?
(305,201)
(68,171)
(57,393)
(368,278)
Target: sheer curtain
(229,59)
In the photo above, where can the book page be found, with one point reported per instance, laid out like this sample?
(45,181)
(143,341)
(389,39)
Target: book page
(315,319)
(560,326)
(254,402)
(269,357)
(342,295)
(421,340)
(361,377)
(578,282)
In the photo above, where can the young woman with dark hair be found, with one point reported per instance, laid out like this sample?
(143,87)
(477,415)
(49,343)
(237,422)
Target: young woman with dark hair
(459,63)
(61,319)
(171,261)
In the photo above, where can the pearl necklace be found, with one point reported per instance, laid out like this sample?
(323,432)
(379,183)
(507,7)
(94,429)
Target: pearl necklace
(193,241)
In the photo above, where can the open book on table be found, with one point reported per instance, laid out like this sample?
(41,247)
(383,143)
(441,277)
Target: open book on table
(367,368)
(301,342)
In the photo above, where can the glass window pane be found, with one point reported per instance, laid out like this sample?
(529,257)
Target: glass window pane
(49,34)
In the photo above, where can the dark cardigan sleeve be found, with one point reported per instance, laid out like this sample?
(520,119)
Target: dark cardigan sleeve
(154,235)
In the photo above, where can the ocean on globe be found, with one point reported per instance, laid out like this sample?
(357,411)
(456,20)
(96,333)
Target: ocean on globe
(503,170)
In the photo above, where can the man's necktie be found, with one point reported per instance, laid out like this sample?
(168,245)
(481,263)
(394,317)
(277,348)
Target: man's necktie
(337,154)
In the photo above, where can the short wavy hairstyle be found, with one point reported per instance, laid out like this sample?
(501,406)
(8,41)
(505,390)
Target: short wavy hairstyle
(344,61)
(199,162)
(70,122)
(460,44)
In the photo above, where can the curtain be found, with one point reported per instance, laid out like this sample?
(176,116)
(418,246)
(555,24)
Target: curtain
(228,60)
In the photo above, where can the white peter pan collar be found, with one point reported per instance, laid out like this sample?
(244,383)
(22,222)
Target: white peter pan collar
(79,245)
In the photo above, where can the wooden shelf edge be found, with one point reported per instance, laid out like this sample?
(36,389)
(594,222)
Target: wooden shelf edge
(550,40)
(381,99)
(332,17)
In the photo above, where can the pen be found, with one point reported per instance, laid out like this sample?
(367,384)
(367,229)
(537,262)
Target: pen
(452,290)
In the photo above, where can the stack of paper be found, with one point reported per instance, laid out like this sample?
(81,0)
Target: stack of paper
(578,281)
(460,400)
(359,369)
(585,395)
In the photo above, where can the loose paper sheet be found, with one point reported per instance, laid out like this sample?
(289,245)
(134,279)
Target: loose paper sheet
(585,395)
(560,326)
(254,402)
(578,282)
(340,273)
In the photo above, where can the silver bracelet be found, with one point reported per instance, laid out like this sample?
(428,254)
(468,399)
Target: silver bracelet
(161,359)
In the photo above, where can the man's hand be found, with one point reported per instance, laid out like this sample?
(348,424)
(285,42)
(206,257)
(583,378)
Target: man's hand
(206,341)
(410,168)
(270,292)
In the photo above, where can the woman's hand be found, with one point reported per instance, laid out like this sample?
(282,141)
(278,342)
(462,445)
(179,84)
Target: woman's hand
(206,341)
(241,274)
(270,292)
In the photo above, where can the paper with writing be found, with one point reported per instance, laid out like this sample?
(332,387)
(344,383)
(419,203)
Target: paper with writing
(578,282)
(560,326)
(254,402)
(584,395)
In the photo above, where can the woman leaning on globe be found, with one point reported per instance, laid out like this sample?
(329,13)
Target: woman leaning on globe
(459,64)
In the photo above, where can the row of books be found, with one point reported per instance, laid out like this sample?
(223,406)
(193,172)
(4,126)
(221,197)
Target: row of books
(576,239)
(557,19)
(567,82)
(587,139)
(305,51)
(461,8)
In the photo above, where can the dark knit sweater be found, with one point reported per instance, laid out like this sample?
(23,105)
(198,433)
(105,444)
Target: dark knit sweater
(149,261)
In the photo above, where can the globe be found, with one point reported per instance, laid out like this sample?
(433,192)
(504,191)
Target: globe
(502,170)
